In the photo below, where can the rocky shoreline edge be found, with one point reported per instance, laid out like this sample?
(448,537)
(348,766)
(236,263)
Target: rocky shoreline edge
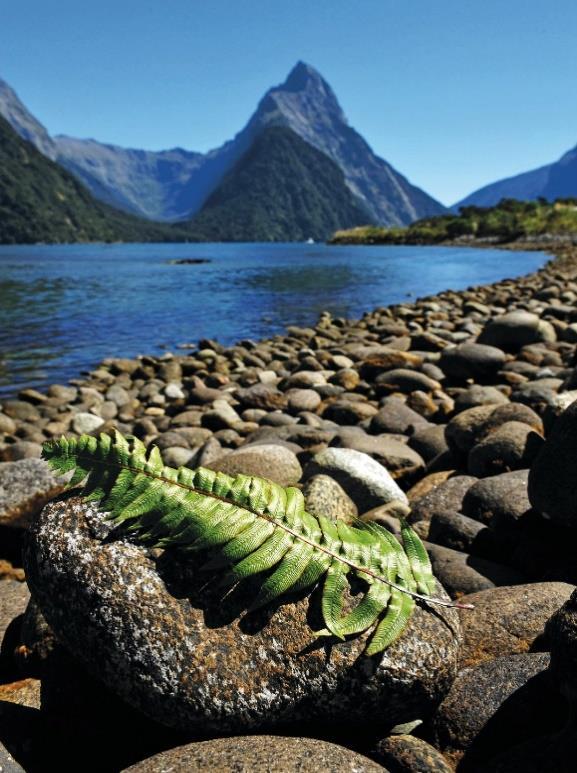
(455,410)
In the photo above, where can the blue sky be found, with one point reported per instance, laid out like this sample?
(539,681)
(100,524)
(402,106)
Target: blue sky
(455,94)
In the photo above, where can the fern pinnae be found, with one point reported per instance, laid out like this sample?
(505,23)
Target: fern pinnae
(254,526)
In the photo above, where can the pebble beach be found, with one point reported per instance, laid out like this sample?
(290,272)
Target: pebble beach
(457,411)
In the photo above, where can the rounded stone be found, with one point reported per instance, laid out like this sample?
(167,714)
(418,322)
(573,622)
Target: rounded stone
(408,754)
(404,380)
(467,427)
(25,487)
(513,446)
(163,638)
(495,705)
(509,620)
(516,329)
(86,423)
(396,417)
(446,497)
(366,481)
(462,574)
(257,753)
(429,442)
(303,400)
(499,499)
(324,496)
(266,460)
(472,361)
(553,474)
(398,458)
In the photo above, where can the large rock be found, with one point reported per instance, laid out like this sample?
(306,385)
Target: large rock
(472,361)
(499,500)
(509,620)
(252,753)
(274,462)
(158,632)
(516,329)
(513,446)
(25,487)
(553,478)
(398,458)
(495,705)
(366,481)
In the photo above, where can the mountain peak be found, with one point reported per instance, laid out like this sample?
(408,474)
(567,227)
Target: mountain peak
(301,75)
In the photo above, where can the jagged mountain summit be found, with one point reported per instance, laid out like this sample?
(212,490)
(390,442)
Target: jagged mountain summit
(175,184)
(552,181)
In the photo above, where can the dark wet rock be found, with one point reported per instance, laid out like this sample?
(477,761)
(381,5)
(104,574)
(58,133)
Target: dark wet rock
(408,754)
(553,752)
(258,753)
(400,460)
(498,500)
(495,705)
(366,481)
(25,487)
(396,417)
(513,446)
(553,479)
(516,329)
(472,361)
(191,659)
(509,620)
(447,497)
(429,442)
(460,573)
(274,462)
(457,531)
(324,496)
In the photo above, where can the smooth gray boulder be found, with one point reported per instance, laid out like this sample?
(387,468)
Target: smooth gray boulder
(366,481)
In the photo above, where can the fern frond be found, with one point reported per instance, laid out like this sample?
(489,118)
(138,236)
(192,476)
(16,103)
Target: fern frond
(253,526)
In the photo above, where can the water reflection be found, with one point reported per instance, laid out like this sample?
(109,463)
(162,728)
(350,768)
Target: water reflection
(65,308)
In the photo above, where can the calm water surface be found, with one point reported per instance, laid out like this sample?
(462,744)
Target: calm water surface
(65,308)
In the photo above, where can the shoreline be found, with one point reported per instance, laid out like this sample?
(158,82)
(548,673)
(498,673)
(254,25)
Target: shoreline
(435,410)
(211,360)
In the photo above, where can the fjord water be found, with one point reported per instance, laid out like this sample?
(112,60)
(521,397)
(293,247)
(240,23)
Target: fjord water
(65,308)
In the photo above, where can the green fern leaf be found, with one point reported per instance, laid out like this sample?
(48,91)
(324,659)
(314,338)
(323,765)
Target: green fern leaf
(251,526)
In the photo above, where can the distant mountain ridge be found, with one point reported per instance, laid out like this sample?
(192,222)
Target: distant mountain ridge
(174,184)
(42,202)
(552,181)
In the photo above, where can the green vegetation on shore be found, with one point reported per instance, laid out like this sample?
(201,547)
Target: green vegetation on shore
(509,221)
(41,202)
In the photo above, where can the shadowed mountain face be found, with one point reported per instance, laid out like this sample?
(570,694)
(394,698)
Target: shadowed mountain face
(173,184)
(41,202)
(282,189)
(23,122)
(553,181)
